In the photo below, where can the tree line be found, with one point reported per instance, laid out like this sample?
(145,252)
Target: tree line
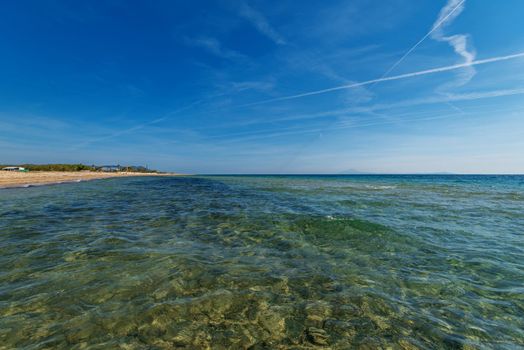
(76,167)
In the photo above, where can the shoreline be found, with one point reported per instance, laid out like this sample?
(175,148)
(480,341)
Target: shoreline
(14,179)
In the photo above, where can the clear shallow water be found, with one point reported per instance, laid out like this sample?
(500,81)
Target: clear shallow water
(273,262)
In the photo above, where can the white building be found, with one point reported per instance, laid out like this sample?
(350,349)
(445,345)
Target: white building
(14,168)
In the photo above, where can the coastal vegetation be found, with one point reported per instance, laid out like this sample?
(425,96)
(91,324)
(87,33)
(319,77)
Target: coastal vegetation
(81,167)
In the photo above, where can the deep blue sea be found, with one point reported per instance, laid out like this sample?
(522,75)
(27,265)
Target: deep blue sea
(264,262)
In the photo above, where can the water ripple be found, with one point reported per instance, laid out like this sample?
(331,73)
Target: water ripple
(276,262)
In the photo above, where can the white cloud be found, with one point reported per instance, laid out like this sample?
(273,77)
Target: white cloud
(214,46)
(258,20)
(391,78)
(238,86)
(374,109)
(459,42)
(135,128)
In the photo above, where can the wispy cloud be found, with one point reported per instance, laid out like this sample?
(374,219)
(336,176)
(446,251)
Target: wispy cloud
(349,114)
(258,20)
(391,78)
(214,47)
(459,42)
(135,128)
(225,90)
(334,68)
(238,86)
(345,124)
(452,9)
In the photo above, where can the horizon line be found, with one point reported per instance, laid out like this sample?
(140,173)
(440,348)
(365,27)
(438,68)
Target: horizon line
(360,174)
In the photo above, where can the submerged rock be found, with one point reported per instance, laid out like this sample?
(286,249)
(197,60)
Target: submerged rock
(272,322)
(316,312)
(212,306)
(317,336)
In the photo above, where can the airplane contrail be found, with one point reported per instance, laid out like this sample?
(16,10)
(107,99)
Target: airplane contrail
(134,128)
(435,27)
(395,77)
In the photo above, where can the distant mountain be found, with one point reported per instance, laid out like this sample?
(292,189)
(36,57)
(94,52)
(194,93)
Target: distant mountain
(354,172)
(439,173)
(358,172)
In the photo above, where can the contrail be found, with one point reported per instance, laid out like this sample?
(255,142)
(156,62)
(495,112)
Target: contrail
(435,27)
(442,19)
(136,127)
(395,77)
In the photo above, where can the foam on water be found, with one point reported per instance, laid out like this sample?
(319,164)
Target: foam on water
(41,184)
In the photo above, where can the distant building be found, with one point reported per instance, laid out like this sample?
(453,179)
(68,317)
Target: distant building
(115,168)
(14,168)
(109,168)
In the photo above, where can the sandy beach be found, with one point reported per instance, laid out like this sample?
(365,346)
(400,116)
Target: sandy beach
(10,179)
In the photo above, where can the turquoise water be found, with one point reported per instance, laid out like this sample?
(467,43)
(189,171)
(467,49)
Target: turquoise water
(267,262)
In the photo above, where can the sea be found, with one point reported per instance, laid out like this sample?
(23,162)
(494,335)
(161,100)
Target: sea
(264,262)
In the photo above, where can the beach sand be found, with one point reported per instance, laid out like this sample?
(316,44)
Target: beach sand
(20,179)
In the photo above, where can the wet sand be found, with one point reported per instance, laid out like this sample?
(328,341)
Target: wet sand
(10,179)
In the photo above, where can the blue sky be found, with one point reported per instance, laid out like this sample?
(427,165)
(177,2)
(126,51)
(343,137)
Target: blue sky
(246,86)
